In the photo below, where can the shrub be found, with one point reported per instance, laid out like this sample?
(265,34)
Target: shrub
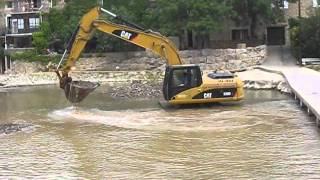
(33,56)
(40,42)
(1,52)
(305,35)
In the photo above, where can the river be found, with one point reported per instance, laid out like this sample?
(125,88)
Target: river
(267,136)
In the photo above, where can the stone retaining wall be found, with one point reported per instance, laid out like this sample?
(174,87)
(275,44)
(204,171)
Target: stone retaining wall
(208,59)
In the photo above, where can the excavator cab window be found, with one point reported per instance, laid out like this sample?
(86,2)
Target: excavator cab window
(179,79)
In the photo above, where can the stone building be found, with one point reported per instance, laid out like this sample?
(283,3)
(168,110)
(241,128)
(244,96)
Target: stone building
(277,33)
(18,20)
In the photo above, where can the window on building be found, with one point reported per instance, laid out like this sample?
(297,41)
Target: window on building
(20,23)
(36,3)
(34,23)
(14,26)
(240,34)
(285,4)
(9,4)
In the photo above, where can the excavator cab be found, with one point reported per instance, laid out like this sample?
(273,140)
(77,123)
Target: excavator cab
(180,78)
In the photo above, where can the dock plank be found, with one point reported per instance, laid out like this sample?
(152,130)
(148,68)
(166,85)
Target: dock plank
(306,85)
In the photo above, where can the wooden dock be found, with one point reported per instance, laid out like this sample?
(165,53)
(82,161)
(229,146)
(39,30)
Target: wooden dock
(305,86)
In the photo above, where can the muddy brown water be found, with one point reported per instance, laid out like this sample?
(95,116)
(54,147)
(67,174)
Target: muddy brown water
(267,136)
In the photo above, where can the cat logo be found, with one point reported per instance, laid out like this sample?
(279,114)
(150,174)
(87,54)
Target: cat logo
(207,95)
(126,35)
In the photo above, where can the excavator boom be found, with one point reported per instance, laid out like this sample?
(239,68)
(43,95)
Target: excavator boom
(90,22)
(75,90)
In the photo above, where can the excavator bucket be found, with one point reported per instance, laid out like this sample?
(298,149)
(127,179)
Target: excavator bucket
(76,91)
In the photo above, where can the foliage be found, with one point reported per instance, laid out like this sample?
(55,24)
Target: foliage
(305,35)
(171,18)
(175,18)
(39,41)
(168,17)
(269,11)
(2,4)
(314,67)
(33,56)
(1,52)
(60,24)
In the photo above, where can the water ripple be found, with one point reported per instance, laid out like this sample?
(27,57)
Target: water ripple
(255,140)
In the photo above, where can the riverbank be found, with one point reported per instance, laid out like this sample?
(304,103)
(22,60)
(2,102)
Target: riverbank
(137,84)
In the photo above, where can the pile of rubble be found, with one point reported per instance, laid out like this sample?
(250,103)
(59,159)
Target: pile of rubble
(13,128)
(137,89)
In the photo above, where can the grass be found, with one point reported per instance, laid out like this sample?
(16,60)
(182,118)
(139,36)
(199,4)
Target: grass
(33,56)
(314,67)
(2,4)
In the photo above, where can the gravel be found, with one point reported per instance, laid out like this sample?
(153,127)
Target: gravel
(6,129)
(137,89)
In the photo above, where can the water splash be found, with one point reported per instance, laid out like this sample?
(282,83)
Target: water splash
(160,120)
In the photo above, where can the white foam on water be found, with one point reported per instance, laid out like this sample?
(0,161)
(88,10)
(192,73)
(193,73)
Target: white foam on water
(124,119)
(182,120)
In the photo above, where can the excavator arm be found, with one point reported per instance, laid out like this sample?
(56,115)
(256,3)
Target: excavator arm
(88,25)
(79,40)
(146,39)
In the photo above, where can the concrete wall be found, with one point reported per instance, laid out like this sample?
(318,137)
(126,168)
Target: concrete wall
(293,10)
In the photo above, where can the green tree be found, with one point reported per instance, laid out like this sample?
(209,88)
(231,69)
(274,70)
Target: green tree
(199,16)
(305,35)
(171,18)
(60,24)
(1,52)
(268,11)
(39,41)
(2,4)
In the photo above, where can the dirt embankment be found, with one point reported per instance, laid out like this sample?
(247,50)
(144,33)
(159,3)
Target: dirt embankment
(136,89)
(139,83)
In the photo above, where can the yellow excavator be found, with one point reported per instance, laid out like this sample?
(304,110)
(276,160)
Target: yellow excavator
(183,83)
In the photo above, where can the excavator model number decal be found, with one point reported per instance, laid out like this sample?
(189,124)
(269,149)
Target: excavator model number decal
(129,35)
